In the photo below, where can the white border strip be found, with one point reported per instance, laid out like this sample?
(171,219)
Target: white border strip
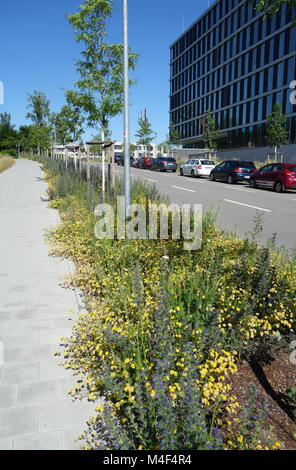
(184,189)
(247,205)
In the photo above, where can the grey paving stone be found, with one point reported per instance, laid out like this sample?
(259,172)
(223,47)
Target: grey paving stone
(52,312)
(45,441)
(54,335)
(10,341)
(37,324)
(38,353)
(63,322)
(35,410)
(34,393)
(65,414)
(25,314)
(11,355)
(8,396)
(11,327)
(51,369)
(18,421)
(20,373)
(64,384)
(4,315)
(6,444)
(70,437)
(18,340)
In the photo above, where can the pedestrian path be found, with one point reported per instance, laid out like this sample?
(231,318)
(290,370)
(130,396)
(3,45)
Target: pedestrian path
(36,412)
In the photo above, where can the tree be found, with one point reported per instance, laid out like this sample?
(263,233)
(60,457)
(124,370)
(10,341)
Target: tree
(100,86)
(211,133)
(8,135)
(163,147)
(272,7)
(68,124)
(173,137)
(24,138)
(39,106)
(145,133)
(276,131)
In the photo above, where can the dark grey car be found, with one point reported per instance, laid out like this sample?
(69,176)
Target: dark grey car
(232,171)
(164,164)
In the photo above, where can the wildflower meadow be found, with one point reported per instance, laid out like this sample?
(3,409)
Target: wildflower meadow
(165,329)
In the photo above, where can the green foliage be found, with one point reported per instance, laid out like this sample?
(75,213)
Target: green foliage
(164,326)
(39,106)
(99,89)
(252,421)
(144,133)
(8,135)
(34,138)
(211,134)
(276,132)
(68,123)
(272,7)
(173,137)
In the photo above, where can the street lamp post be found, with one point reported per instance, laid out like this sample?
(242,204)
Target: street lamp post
(127,184)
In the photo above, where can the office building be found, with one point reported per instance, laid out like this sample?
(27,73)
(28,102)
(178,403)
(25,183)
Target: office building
(238,64)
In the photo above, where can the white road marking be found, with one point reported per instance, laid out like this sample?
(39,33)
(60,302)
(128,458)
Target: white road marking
(148,179)
(247,205)
(240,189)
(184,189)
(294,200)
(192,178)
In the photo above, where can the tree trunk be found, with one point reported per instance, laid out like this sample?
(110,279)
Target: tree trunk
(103,161)
(88,165)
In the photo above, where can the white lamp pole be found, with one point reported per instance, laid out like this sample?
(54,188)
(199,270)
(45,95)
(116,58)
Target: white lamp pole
(127,183)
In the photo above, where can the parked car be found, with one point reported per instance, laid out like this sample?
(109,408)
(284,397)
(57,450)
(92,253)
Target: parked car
(278,176)
(232,171)
(117,157)
(197,167)
(144,162)
(164,164)
(120,161)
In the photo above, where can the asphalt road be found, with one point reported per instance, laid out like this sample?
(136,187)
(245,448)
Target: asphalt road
(237,203)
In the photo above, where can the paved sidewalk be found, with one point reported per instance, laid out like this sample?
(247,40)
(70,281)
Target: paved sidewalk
(35,410)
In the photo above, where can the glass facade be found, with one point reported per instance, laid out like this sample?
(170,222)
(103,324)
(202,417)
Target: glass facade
(238,64)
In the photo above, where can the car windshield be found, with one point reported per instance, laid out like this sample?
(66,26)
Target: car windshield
(293,169)
(172,160)
(207,162)
(247,165)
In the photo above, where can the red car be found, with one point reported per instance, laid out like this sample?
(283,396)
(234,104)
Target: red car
(144,162)
(278,176)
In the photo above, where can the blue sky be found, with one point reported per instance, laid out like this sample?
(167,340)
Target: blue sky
(38,52)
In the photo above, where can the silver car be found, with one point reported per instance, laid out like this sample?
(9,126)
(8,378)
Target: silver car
(202,167)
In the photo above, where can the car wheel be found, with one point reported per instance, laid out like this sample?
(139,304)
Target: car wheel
(181,172)
(252,183)
(212,177)
(192,173)
(278,187)
(229,179)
